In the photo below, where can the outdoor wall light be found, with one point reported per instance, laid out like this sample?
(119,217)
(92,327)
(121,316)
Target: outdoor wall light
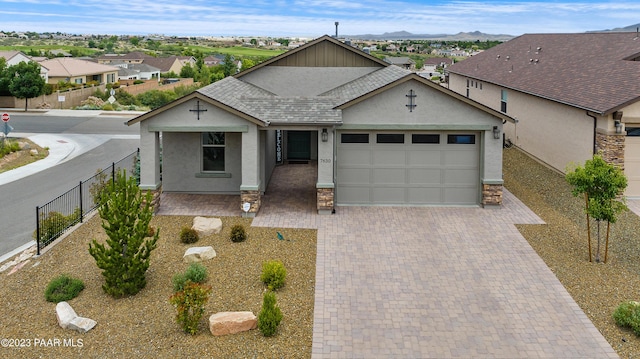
(618,126)
(325,135)
(496,132)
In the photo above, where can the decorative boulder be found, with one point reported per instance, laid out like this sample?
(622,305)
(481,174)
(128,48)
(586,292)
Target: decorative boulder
(224,323)
(198,254)
(68,319)
(206,226)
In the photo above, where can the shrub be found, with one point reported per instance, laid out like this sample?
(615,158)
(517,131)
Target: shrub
(107,107)
(238,234)
(270,316)
(188,235)
(189,303)
(54,223)
(63,288)
(138,82)
(196,273)
(628,315)
(273,274)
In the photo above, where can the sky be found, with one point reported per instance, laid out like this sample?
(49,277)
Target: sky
(313,18)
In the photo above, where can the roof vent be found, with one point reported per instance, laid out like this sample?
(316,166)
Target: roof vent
(536,61)
(498,57)
(507,58)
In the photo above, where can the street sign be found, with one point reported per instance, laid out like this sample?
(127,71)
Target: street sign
(5,117)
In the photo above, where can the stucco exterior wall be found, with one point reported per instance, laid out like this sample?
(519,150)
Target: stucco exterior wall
(435,111)
(304,81)
(268,157)
(555,134)
(182,161)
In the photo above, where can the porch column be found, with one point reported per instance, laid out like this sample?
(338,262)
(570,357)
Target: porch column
(325,187)
(250,195)
(150,163)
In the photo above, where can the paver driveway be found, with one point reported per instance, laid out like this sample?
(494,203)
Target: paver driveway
(427,282)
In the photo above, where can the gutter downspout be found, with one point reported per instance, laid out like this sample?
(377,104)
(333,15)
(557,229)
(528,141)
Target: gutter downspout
(595,126)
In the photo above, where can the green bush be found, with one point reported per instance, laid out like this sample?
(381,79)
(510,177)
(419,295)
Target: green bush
(107,107)
(270,316)
(273,274)
(188,235)
(190,303)
(54,224)
(63,288)
(196,273)
(628,315)
(8,146)
(238,234)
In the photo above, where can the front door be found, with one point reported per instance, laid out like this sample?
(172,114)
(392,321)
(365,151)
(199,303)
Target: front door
(298,145)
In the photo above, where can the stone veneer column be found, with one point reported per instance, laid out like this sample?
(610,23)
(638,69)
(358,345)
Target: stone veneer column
(491,195)
(325,200)
(611,147)
(254,199)
(155,197)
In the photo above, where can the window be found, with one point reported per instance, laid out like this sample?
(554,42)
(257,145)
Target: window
(78,81)
(503,101)
(390,138)
(633,131)
(354,138)
(213,152)
(461,139)
(425,138)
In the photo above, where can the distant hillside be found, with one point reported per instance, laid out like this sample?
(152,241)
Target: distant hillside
(630,28)
(404,35)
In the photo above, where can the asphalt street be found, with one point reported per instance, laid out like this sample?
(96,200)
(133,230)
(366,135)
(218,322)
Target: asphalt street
(79,144)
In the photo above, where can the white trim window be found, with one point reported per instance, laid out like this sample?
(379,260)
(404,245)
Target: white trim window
(213,148)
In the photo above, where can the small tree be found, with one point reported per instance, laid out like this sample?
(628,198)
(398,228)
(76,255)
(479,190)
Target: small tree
(125,214)
(270,316)
(25,81)
(602,185)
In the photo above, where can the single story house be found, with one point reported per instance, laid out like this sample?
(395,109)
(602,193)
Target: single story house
(572,95)
(67,69)
(378,134)
(128,71)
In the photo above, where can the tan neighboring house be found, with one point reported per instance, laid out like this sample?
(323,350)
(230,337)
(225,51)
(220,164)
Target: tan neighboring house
(16,57)
(572,95)
(64,69)
(164,64)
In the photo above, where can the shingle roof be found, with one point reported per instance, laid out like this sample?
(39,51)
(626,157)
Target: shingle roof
(367,83)
(591,71)
(67,67)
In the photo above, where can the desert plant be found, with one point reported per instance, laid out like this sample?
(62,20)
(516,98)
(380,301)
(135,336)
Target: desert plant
(188,235)
(125,214)
(628,315)
(270,316)
(190,303)
(53,224)
(273,274)
(196,273)
(63,288)
(238,234)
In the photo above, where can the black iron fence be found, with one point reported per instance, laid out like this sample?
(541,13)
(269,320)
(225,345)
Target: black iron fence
(70,208)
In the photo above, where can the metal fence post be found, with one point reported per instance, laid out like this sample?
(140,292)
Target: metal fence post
(81,200)
(38,230)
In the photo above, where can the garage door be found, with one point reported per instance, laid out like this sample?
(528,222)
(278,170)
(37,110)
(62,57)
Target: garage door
(632,160)
(407,168)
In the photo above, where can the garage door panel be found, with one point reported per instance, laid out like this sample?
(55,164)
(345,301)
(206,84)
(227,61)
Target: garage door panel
(355,156)
(349,176)
(428,195)
(425,158)
(460,195)
(461,158)
(388,195)
(354,194)
(460,176)
(632,165)
(389,157)
(424,176)
(383,176)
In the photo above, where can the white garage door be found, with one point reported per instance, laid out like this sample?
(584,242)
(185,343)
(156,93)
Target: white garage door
(408,168)
(632,160)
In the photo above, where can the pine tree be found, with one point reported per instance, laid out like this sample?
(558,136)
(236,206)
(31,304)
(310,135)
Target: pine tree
(125,214)
(270,316)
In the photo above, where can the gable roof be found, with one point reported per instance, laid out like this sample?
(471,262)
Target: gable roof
(68,67)
(597,72)
(163,63)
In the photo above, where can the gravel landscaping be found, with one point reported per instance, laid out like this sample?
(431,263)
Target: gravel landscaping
(144,325)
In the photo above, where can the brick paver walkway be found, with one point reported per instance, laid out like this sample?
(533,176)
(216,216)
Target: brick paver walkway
(428,282)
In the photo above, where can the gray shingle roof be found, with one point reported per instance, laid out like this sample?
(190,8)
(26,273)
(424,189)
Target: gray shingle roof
(591,71)
(367,83)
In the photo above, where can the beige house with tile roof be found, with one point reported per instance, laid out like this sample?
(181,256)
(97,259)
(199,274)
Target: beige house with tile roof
(15,57)
(572,95)
(378,134)
(65,69)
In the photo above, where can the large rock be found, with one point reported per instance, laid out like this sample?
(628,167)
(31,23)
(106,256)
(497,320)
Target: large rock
(198,254)
(206,226)
(224,323)
(68,319)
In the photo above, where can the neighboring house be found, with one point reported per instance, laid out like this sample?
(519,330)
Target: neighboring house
(404,62)
(213,60)
(378,134)
(130,58)
(16,57)
(129,71)
(165,64)
(431,66)
(65,69)
(572,95)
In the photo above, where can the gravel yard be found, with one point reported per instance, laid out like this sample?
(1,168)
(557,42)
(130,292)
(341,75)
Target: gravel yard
(144,326)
